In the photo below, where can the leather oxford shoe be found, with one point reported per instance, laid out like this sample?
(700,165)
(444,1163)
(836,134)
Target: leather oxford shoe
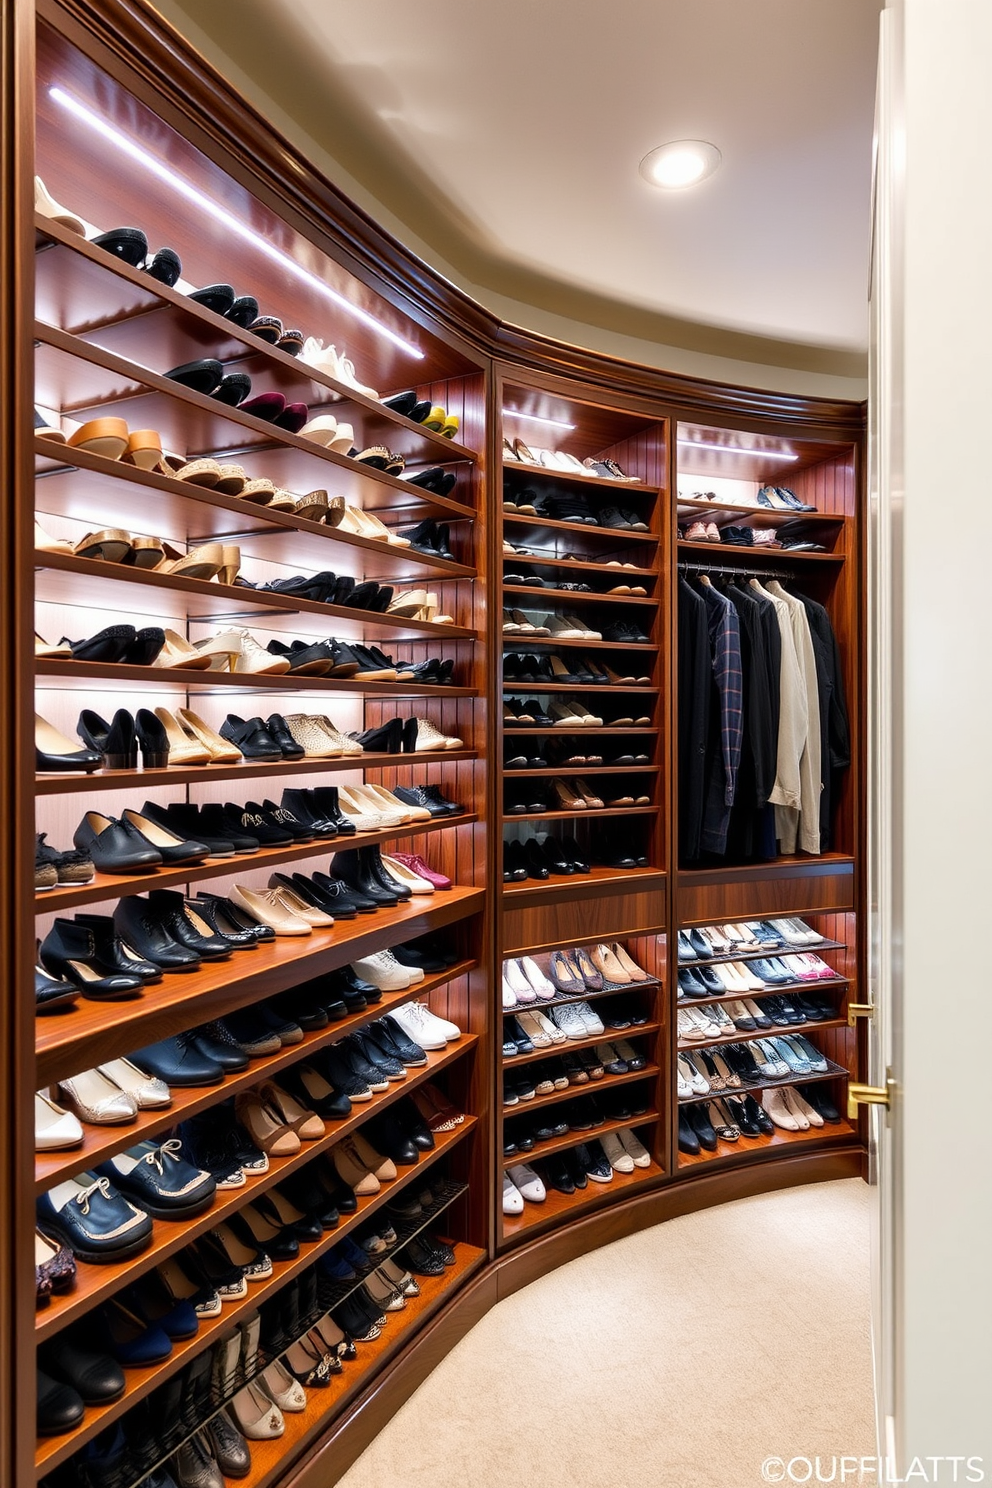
(60,1407)
(179,1061)
(93,1219)
(157,1177)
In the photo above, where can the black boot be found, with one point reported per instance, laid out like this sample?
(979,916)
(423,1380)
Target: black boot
(353,867)
(69,951)
(325,799)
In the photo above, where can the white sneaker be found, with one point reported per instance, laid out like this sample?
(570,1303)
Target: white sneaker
(620,1160)
(384,971)
(635,1149)
(535,976)
(595,1027)
(521,986)
(513,1199)
(527,1182)
(509,996)
(417,1020)
(569,1021)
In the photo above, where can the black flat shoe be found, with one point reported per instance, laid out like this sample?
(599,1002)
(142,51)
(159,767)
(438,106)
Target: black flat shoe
(51,993)
(128,243)
(166,266)
(112,951)
(108,645)
(54,752)
(278,728)
(145,646)
(243,311)
(252,738)
(216,297)
(115,846)
(203,375)
(138,928)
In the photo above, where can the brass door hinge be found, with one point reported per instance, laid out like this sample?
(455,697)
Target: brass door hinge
(870,1095)
(856,1010)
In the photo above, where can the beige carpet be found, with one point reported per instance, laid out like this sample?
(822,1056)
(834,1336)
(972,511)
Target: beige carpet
(684,1356)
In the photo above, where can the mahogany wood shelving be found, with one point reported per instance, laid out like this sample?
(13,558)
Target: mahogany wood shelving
(747,1036)
(87,674)
(775,1142)
(572,1138)
(640,1029)
(559,1208)
(834,1072)
(148,779)
(552,1098)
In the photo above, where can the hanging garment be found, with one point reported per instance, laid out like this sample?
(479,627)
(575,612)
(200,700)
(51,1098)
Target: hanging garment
(694,693)
(726,720)
(807,836)
(835,730)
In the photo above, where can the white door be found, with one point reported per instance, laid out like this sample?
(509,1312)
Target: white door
(885,629)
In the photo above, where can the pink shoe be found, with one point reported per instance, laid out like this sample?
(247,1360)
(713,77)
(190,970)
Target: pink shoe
(695,532)
(416,863)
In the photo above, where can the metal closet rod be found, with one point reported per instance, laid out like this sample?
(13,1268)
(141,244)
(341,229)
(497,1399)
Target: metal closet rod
(687,566)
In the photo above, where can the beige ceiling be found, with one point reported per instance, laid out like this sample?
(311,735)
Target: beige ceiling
(507,136)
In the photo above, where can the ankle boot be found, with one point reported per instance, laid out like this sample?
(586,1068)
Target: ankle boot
(386,739)
(353,867)
(69,951)
(325,798)
(304,809)
(112,952)
(168,907)
(373,860)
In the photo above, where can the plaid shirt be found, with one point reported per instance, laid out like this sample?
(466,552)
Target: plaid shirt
(725,645)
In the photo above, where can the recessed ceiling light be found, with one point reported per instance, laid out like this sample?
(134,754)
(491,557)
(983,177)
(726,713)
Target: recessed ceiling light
(680,163)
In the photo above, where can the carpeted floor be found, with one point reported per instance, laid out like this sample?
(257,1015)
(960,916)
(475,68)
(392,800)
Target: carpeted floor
(683,1356)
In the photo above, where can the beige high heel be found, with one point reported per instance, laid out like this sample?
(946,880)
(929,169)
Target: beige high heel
(265,1126)
(306,1124)
(221,751)
(178,653)
(361,523)
(203,562)
(295,905)
(110,545)
(45,544)
(267,908)
(231,565)
(45,652)
(182,749)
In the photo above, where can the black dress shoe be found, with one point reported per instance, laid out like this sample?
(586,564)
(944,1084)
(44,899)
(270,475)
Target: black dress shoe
(208,918)
(329,888)
(69,952)
(60,1407)
(214,1042)
(520,1039)
(515,868)
(353,867)
(278,730)
(51,993)
(143,932)
(168,907)
(252,737)
(699,1120)
(107,646)
(304,808)
(556,1175)
(116,741)
(96,1377)
(328,806)
(157,1178)
(115,846)
(178,1061)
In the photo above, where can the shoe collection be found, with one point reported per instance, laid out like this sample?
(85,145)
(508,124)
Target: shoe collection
(567,671)
(566,1172)
(114,957)
(582,1114)
(522,575)
(704,1124)
(183,834)
(576,1067)
(774,1064)
(518,624)
(573,507)
(559,461)
(570,973)
(787,537)
(569,753)
(561,856)
(538,798)
(772,498)
(574,1021)
(568,713)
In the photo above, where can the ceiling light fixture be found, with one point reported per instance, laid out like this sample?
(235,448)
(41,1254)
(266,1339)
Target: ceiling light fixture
(204,202)
(536,418)
(730,449)
(680,163)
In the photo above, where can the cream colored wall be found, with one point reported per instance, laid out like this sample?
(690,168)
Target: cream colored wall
(699,354)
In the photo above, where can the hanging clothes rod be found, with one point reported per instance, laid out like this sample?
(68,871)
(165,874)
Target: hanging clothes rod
(688,566)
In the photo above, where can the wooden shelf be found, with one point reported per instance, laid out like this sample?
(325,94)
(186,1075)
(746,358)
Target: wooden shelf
(84,382)
(94,1032)
(100,676)
(101,1142)
(574,1138)
(89,488)
(759,556)
(572,1044)
(801,864)
(595,882)
(270,1459)
(510,775)
(777,1141)
(587,812)
(601,484)
(542,1004)
(95,1283)
(584,565)
(73,276)
(764,954)
(535,732)
(94,584)
(121,885)
(72,781)
(559,1207)
(527,642)
(591,1087)
(835,1072)
(529,687)
(549,524)
(740,1036)
(744,514)
(528,591)
(783,989)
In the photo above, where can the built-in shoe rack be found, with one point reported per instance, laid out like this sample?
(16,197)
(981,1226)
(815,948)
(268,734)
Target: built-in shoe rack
(588,810)
(106,332)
